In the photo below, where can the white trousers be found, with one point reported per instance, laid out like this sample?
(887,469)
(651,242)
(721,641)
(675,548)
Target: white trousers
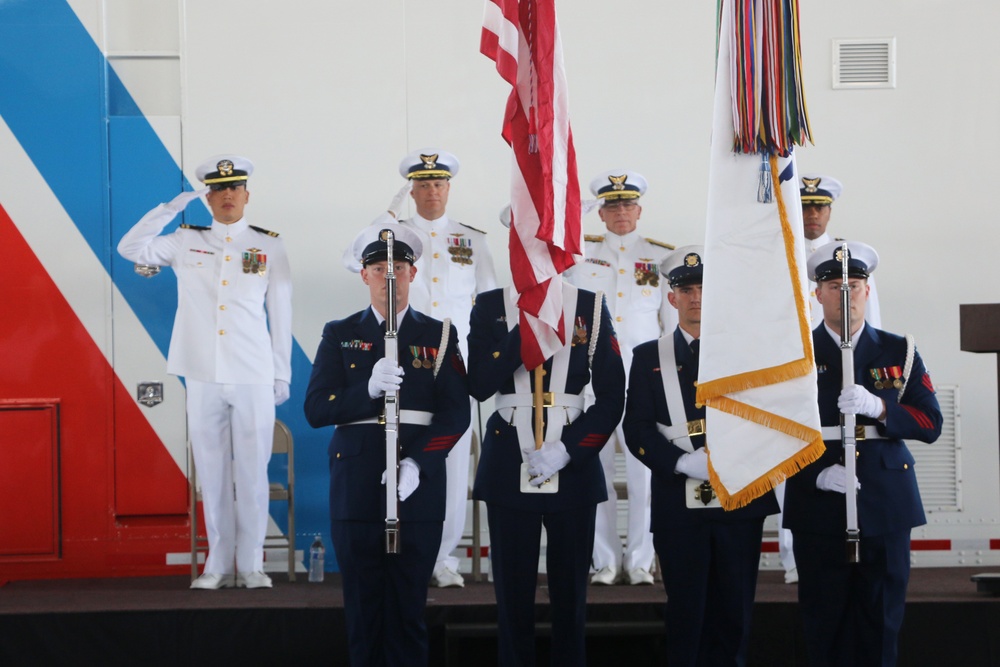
(231,428)
(639,541)
(456,500)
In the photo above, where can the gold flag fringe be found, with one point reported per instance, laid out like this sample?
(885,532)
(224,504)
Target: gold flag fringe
(767,481)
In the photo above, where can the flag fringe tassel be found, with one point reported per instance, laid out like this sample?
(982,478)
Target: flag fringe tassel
(811,452)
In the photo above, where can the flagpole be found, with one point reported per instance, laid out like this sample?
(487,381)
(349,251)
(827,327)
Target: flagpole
(539,406)
(848,421)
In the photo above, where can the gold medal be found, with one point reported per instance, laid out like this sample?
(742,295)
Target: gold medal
(878,384)
(897,383)
(427,363)
(416,363)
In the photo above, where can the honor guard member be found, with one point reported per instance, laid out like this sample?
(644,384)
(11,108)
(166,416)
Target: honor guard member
(625,266)
(385,593)
(818,192)
(232,344)
(709,556)
(455,267)
(852,613)
(516,481)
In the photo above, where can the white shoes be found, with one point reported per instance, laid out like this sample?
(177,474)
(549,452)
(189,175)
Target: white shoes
(447,578)
(640,577)
(792,576)
(253,580)
(210,581)
(606,576)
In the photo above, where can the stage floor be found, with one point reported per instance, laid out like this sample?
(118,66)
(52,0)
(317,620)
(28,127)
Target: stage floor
(158,620)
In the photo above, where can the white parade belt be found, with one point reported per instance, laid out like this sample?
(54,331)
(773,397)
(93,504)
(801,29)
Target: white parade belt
(861,432)
(414,417)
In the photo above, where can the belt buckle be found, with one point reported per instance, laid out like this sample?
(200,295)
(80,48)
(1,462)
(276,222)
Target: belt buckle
(548,400)
(696,427)
(859,432)
(381,419)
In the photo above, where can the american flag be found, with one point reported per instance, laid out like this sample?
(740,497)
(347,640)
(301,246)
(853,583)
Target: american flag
(522,37)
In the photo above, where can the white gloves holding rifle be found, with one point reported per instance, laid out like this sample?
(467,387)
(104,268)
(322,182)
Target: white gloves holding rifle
(387,375)
(693,464)
(834,479)
(180,202)
(409,478)
(856,400)
(547,461)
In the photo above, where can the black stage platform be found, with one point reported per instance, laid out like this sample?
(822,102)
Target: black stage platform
(159,621)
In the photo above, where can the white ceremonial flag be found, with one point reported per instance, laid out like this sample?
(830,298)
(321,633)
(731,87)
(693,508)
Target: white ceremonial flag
(757,375)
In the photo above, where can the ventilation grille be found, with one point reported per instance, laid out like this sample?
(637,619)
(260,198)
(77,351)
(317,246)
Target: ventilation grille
(864,63)
(939,465)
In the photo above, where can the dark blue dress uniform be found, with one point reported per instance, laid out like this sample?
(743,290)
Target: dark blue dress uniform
(516,518)
(710,557)
(851,614)
(385,594)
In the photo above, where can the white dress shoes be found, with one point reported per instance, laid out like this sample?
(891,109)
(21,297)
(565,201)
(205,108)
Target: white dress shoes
(606,576)
(447,578)
(211,581)
(640,577)
(253,580)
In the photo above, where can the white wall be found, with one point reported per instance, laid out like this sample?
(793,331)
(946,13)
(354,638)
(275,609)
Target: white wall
(327,96)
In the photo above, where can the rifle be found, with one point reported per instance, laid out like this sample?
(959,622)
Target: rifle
(391,407)
(848,422)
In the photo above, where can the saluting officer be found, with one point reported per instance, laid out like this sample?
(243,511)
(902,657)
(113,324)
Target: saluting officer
(852,613)
(385,594)
(232,343)
(574,435)
(709,556)
(456,266)
(625,266)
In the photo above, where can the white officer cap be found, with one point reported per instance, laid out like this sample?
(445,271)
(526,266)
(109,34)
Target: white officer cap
(684,266)
(825,263)
(618,184)
(221,171)
(429,163)
(370,244)
(819,190)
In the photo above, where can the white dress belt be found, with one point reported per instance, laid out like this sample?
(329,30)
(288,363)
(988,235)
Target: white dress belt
(414,417)
(860,433)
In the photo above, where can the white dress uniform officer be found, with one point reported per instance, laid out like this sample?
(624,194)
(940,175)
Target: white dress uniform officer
(456,265)
(232,343)
(625,266)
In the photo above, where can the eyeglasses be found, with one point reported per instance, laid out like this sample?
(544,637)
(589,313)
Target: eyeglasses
(614,206)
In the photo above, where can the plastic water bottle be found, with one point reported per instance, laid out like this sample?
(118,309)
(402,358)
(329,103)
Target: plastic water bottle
(317,553)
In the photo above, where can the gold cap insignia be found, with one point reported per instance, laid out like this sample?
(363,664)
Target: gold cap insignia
(225,167)
(811,184)
(618,182)
(430,161)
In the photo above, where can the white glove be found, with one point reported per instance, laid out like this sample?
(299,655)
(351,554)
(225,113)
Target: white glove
(386,376)
(693,464)
(180,202)
(588,205)
(834,479)
(856,400)
(408,479)
(281,392)
(396,205)
(547,461)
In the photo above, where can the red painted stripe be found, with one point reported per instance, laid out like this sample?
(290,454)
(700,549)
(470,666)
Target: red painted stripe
(930,545)
(994,544)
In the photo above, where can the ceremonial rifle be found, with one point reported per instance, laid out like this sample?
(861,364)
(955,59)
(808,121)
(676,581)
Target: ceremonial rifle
(848,422)
(391,407)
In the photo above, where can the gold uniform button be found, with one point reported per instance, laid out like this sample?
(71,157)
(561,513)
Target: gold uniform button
(338,455)
(496,355)
(436,255)
(225,282)
(906,466)
(621,294)
(222,332)
(352,365)
(642,452)
(618,319)
(435,304)
(621,271)
(434,234)
(228,257)
(229,239)
(332,396)
(435,279)
(222,307)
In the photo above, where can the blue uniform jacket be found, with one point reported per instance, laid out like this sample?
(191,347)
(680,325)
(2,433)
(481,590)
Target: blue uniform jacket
(888,499)
(494,355)
(647,405)
(338,395)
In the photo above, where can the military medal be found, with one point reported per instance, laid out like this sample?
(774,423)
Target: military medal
(460,249)
(877,374)
(415,352)
(897,373)
(647,273)
(254,261)
(580,332)
(428,363)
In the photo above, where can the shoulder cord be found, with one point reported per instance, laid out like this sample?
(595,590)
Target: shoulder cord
(598,303)
(443,348)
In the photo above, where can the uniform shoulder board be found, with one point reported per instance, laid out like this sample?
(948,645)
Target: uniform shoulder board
(837,238)
(264,231)
(472,228)
(661,244)
(593,238)
(196,228)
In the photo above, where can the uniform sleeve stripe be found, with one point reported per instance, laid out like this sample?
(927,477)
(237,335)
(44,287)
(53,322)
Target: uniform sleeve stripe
(920,417)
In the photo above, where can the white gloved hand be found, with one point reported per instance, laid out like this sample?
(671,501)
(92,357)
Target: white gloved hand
(181,201)
(386,376)
(856,400)
(396,205)
(409,478)
(693,464)
(547,461)
(588,205)
(281,392)
(834,479)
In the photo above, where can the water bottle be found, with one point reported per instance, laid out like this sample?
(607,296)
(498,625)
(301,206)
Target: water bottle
(317,552)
